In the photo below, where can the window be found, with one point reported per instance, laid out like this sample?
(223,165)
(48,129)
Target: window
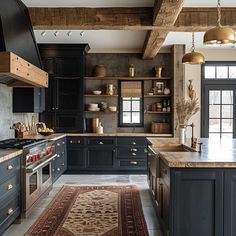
(218,100)
(131,103)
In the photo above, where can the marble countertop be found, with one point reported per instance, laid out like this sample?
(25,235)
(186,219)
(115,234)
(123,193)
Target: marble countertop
(120,134)
(216,153)
(7,154)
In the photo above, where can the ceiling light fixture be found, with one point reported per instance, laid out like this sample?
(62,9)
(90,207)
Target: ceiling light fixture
(219,34)
(69,33)
(56,33)
(193,58)
(43,33)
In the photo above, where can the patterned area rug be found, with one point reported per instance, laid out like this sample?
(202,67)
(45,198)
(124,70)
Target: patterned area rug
(93,211)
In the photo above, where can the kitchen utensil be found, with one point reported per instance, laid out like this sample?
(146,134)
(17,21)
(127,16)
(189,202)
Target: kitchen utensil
(110,89)
(99,129)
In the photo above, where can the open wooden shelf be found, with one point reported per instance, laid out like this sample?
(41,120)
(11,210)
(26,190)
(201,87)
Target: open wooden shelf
(127,78)
(157,96)
(158,112)
(102,112)
(101,95)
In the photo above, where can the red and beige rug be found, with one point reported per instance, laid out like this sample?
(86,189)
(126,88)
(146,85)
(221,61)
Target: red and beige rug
(93,211)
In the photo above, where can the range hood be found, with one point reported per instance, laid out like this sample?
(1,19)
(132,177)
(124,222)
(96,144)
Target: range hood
(20,62)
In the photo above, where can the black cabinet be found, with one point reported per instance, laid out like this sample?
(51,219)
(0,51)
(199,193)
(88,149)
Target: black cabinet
(64,97)
(59,163)
(28,100)
(230,203)
(9,192)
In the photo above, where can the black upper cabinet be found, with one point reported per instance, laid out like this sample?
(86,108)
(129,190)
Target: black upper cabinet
(28,100)
(65,64)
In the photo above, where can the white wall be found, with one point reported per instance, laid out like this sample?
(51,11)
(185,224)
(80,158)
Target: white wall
(193,72)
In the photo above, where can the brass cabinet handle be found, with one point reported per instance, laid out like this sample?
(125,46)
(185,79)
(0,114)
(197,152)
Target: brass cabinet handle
(133,150)
(10,211)
(10,186)
(10,167)
(63,142)
(101,143)
(71,141)
(134,162)
(78,141)
(133,154)
(133,143)
(63,164)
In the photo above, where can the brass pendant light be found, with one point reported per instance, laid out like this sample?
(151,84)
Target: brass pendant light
(193,58)
(219,34)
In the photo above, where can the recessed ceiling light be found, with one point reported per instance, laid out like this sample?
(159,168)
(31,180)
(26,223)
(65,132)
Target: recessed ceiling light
(43,33)
(56,33)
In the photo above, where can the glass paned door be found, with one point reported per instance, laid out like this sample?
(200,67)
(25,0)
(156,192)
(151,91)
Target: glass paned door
(220,111)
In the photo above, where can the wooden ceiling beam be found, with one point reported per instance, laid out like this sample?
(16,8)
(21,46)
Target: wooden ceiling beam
(165,13)
(189,19)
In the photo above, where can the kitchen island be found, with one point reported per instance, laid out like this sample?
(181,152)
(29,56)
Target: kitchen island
(194,193)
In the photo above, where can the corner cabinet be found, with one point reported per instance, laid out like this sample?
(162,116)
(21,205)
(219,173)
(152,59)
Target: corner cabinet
(194,201)
(64,102)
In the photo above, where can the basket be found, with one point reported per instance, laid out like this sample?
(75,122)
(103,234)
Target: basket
(160,128)
(100,71)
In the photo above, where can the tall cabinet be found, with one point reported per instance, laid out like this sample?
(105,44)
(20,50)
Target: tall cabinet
(64,97)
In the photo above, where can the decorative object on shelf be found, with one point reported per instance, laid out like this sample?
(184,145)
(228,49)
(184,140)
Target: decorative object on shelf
(110,89)
(157,106)
(160,128)
(191,91)
(158,71)
(97,92)
(99,129)
(185,109)
(193,58)
(164,106)
(93,107)
(168,109)
(103,106)
(166,91)
(150,94)
(95,123)
(100,71)
(131,71)
(112,108)
(159,88)
(219,34)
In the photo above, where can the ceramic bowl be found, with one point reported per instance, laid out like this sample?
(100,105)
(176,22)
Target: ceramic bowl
(97,92)
(112,108)
(93,105)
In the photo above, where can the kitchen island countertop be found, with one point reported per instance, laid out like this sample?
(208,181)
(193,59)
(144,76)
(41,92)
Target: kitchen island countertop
(7,154)
(216,153)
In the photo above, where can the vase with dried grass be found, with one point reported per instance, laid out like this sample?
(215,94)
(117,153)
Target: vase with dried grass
(185,109)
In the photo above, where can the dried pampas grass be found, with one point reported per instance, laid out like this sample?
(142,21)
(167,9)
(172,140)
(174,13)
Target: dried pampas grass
(186,109)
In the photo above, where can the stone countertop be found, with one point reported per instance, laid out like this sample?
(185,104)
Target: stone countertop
(216,153)
(7,154)
(119,134)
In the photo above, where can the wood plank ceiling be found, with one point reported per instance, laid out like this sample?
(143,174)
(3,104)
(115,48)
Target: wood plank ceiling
(166,16)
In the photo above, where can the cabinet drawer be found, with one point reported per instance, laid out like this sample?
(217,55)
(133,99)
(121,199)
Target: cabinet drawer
(132,164)
(132,152)
(9,167)
(101,141)
(75,141)
(131,141)
(61,145)
(8,209)
(10,186)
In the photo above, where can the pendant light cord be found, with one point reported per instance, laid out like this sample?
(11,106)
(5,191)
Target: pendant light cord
(193,43)
(219,14)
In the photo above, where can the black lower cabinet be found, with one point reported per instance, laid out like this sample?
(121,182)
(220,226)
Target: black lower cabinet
(59,163)
(10,203)
(101,158)
(193,201)
(106,155)
(230,203)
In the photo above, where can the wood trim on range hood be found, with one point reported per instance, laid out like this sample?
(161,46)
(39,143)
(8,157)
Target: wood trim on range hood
(17,72)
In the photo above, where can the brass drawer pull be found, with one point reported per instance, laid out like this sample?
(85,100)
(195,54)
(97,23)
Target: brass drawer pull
(134,162)
(78,141)
(71,141)
(10,167)
(133,150)
(10,211)
(133,143)
(101,143)
(133,154)
(10,186)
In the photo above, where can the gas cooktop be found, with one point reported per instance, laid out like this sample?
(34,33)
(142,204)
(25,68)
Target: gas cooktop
(18,143)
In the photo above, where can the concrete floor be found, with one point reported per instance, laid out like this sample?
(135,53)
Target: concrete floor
(139,180)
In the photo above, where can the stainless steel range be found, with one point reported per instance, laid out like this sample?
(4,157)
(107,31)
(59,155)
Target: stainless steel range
(36,169)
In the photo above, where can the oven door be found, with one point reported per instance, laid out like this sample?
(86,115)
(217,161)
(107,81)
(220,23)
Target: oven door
(45,177)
